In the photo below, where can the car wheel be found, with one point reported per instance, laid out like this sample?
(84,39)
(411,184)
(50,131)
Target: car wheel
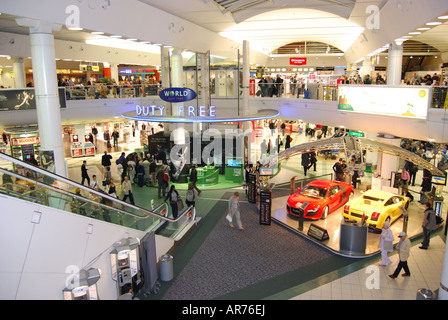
(325,213)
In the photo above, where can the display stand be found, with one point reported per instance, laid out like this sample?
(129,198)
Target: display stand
(89,149)
(77,150)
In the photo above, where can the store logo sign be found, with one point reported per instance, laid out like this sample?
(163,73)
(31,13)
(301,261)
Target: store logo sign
(177,94)
(297,61)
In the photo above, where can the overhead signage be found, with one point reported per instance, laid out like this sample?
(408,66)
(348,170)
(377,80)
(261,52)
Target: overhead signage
(183,111)
(297,61)
(191,114)
(177,94)
(404,101)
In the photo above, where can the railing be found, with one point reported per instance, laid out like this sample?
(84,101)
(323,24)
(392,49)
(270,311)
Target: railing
(320,92)
(27,182)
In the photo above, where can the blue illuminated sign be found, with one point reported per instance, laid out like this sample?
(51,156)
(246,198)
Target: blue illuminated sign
(177,94)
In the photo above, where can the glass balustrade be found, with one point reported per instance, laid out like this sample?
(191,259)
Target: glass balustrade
(27,182)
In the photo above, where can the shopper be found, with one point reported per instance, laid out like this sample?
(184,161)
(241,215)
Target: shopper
(173,197)
(403,247)
(126,187)
(161,181)
(288,141)
(338,170)
(386,244)
(94,183)
(84,174)
(405,178)
(191,196)
(107,177)
(194,178)
(105,160)
(429,224)
(305,162)
(153,172)
(115,136)
(234,210)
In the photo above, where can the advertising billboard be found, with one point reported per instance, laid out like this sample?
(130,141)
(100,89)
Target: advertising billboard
(403,101)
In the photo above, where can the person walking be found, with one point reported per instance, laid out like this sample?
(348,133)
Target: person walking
(84,174)
(338,170)
(305,162)
(405,178)
(161,181)
(153,172)
(386,244)
(191,196)
(429,224)
(234,210)
(105,160)
(173,196)
(126,187)
(194,178)
(403,247)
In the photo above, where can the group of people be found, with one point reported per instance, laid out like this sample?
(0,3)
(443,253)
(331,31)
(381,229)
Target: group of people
(429,224)
(133,170)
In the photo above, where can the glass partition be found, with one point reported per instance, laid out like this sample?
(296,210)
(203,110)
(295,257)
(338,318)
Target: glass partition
(30,183)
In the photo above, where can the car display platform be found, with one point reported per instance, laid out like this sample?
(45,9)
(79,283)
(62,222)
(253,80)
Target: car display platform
(332,225)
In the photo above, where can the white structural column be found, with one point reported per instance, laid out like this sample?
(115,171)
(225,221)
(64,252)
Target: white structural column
(247,125)
(19,73)
(394,64)
(387,163)
(46,90)
(366,68)
(165,65)
(114,72)
(176,82)
(443,289)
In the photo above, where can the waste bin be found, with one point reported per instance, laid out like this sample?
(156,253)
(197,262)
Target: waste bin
(425,294)
(166,267)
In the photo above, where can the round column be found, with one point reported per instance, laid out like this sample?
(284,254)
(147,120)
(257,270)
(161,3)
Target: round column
(47,95)
(19,73)
(394,64)
(388,163)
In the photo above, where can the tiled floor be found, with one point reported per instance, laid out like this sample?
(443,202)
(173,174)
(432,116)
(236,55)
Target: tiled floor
(373,282)
(367,282)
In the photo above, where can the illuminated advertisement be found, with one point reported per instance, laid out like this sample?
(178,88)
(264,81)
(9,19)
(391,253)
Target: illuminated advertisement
(406,101)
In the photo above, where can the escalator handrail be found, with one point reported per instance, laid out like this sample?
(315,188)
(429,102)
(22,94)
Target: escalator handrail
(80,186)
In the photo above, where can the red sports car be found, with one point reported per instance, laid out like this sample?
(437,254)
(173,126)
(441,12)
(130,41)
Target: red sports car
(323,196)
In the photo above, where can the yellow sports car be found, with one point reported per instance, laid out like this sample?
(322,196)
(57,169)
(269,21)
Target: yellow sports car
(376,207)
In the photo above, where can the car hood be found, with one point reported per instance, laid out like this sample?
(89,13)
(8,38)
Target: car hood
(296,198)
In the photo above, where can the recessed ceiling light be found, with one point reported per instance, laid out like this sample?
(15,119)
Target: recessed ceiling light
(75,28)
(416,32)
(435,23)
(97,32)
(443,18)
(115,36)
(131,39)
(424,29)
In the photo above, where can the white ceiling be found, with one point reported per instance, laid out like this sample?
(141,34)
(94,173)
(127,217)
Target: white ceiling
(267,25)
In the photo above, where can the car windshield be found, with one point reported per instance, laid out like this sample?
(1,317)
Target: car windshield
(314,192)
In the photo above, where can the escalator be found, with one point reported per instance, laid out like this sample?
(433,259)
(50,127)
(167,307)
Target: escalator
(22,180)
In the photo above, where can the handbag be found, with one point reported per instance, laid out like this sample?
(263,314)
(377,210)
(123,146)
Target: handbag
(388,245)
(180,204)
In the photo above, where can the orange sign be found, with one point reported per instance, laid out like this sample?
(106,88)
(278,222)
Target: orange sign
(24,141)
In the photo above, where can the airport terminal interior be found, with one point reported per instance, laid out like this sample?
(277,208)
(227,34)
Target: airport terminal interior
(224,150)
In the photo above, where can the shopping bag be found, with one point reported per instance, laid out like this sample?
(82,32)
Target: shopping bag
(229,217)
